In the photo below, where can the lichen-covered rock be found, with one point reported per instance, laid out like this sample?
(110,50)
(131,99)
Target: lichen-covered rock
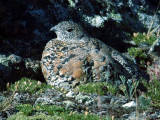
(84,99)
(155,48)
(13,67)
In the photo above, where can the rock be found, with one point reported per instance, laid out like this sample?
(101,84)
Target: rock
(23,98)
(5,70)
(38,14)
(14,59)
(130,104)
(155,48)
(70,94)
(154,2)
(144,46)
(84,99)
(155,115)
(69,104)
(59,11)
(146,19)
(13,67)
(96,21)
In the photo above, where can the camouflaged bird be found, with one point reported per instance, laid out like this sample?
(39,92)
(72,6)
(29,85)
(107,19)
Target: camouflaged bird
(74,57)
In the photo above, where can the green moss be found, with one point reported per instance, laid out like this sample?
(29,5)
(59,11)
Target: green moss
(37,116)
(83,117)
(144,103)
(153,92)
(64,116)
(27,109)
(53,113)
(99,88)
(144,38)
(50,109)
(128,88)
(29,85)
(139,54)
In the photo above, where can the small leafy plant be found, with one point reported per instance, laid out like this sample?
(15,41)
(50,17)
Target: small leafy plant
(50,109)
(99,88)
(27,109)
(28,85)
(6,103)
(138,54)
(139,37)
(153,92)
(144,103)
(153,86)
(132,86)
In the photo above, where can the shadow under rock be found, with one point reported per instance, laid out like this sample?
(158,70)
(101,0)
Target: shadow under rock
(14,72)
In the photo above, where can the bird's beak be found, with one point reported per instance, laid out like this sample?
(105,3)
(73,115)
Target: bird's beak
(53,29)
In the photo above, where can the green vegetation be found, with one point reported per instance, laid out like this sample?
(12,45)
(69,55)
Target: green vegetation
(2,98)
(144,103)
(144,38)
(139,54)
(53,113)
(27,109)
(50,109)
(99,88)
(132,86)
(6,103)
(37,116)
(42,116)
(29,85)
(153,92)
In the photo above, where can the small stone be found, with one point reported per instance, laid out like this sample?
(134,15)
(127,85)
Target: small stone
(14,59)
(130,104)
(70,94)
(69,104)
(84,99)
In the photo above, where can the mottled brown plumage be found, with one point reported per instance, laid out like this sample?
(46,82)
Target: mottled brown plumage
(74,57)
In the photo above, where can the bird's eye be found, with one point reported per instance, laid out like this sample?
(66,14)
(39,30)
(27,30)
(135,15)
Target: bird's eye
(70,30)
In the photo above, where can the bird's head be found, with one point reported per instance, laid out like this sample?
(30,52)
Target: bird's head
(69,31)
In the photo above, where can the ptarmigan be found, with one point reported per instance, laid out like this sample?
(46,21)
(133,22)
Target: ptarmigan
(74,57)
